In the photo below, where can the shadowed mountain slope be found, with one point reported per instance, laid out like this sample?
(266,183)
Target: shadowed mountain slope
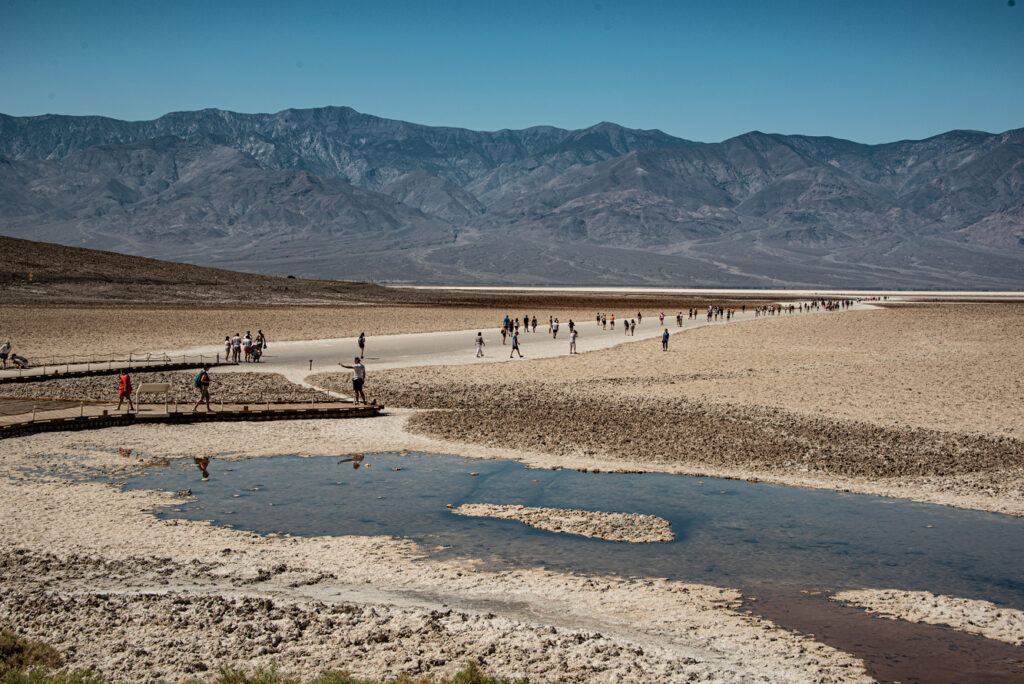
(332,192)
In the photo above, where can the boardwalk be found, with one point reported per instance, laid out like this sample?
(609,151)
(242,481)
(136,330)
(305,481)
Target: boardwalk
(21,417)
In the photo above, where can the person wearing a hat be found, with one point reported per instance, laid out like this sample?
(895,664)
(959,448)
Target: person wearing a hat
(358,376)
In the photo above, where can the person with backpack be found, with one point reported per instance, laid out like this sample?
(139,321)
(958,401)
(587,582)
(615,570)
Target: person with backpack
(202,383)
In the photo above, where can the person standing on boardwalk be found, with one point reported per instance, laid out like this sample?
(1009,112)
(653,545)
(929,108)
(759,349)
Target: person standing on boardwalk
(5,351)
(236,347)
(572,341)
(362,344)
(515,345)
(664,340)
(358,376)
(554,330)
(202,383)
(479,344)
(124,390)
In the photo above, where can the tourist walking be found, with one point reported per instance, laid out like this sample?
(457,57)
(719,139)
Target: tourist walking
(358,377)
(664,340)
(554,329)
(362,344)
(479,344)
(572,341)
(124,390)
(515,345)
(202,383)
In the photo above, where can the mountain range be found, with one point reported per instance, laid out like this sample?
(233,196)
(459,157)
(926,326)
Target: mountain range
(333,193)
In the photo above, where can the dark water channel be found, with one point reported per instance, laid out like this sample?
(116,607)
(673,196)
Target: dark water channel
(728,533)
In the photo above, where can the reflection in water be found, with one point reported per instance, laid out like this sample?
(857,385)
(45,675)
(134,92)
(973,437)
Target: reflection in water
(356,460)
(202,463)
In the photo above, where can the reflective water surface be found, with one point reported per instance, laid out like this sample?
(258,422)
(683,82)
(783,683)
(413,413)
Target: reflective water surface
(728,533)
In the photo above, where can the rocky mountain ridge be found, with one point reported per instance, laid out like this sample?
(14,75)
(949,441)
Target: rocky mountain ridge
(338,194)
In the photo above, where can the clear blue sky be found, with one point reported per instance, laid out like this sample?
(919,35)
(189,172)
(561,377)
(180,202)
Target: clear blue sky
(872,71)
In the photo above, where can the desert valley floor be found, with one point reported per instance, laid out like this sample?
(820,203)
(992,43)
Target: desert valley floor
(908,400)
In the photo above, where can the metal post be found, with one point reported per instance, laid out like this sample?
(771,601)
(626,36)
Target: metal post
(311,364)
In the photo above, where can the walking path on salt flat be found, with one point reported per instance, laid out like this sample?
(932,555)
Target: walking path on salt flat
(298,359)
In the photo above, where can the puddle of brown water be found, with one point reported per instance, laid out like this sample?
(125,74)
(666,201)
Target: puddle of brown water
(893,650)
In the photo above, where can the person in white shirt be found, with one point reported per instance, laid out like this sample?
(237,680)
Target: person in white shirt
(572,341)
(358,376)
(479,344)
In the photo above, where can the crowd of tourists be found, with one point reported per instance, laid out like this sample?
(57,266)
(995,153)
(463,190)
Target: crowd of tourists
(246,348)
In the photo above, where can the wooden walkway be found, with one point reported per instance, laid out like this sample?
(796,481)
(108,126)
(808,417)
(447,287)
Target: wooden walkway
(19,417)
(39,373)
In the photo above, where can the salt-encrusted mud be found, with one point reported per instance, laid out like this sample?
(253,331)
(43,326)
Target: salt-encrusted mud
(967,615)
(634,528)
(84,554)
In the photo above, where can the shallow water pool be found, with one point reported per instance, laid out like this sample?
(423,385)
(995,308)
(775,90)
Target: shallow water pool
(728,533)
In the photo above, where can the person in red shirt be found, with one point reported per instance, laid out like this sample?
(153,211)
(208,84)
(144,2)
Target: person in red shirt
(124,391)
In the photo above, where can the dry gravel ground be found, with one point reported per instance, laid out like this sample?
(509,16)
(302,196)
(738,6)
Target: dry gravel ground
(224,385)
(60,331)
(968,615)
(87,567)
(912,401)
(634,528)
